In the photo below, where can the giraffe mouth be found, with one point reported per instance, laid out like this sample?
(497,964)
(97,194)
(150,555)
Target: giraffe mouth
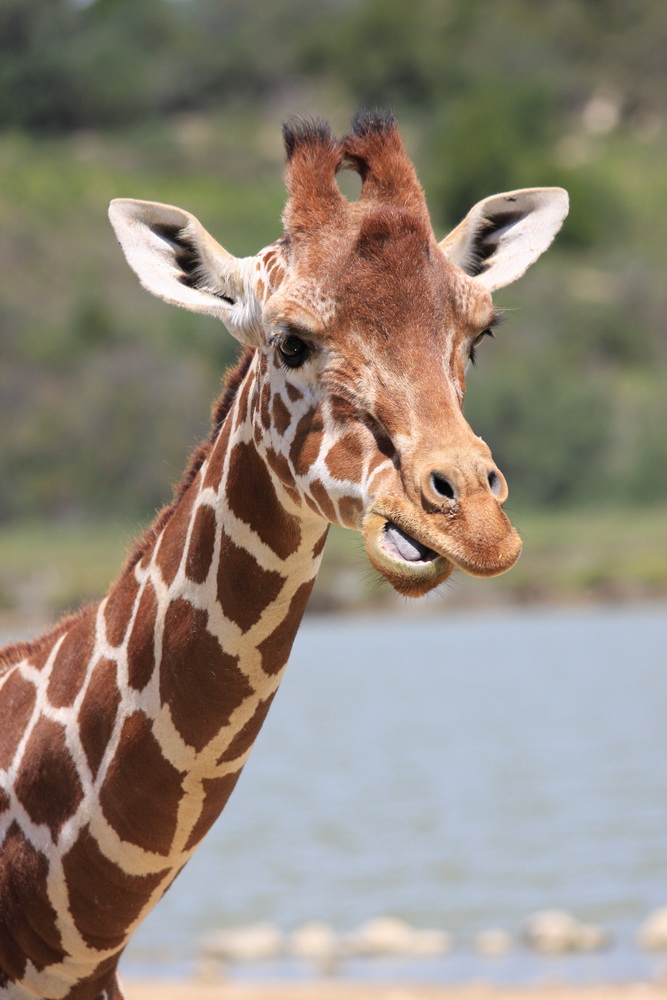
(410,565)
(402,546)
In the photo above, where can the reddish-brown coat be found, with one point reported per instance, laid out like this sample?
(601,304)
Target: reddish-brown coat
(141,644)
(28,921)
(71,661)
(103,899)
(97,714)
(47,784)
(245,589)
(19,697)
(141,783)
(201,683)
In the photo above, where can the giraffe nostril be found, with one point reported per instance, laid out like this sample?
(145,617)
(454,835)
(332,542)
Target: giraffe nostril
(494,482)
(442,486)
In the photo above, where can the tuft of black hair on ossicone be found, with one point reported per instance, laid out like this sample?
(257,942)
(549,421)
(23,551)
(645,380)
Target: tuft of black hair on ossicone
(305,131)
(369,120)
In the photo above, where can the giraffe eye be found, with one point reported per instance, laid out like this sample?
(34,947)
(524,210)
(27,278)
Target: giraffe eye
(293,350)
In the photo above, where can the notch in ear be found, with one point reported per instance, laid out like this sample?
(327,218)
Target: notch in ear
(177,260)
(504,234)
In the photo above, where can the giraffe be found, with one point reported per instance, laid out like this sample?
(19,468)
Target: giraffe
(125,728)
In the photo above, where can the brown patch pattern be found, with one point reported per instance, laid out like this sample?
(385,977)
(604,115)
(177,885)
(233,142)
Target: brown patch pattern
(245,589)
(141,645)
(201,684)
(28,927)
(101,984)
(103,899)
(345,459)
(247,735)
(293,392)
(265,406)
(47,784)
(171,547)
(282,417)
(216,462)
(119,607)
(69,667)
(242,404)
(141,790)
(97,714)
(281,467)
(217,791)
(202,543)
(351,510)
(249,479)
(321,497)
(276,275)
(18,701)
(318,547)
(307,441)
(275,649)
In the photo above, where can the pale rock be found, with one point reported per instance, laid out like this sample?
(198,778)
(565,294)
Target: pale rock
(591,937)
(393,936)
(252,943)
(493,941)
(652,934)
(317,942)
(551,932)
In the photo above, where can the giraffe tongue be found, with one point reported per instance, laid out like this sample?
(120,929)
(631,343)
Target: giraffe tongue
(403,546)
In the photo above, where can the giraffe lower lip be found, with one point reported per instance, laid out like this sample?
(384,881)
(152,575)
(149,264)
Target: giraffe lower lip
(398,544)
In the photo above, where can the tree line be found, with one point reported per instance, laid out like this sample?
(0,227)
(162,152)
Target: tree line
(181,100)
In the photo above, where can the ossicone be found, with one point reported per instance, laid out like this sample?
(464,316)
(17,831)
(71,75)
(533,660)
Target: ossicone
(373,120)
(375,150)
(312,132)
(314,157)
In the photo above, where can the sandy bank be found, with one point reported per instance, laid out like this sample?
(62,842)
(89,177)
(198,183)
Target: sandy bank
(325,990)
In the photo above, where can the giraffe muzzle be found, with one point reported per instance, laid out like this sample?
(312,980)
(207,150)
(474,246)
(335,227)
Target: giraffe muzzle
(416,551)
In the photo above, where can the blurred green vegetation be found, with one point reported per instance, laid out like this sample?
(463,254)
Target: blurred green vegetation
(568,556)
(103,391)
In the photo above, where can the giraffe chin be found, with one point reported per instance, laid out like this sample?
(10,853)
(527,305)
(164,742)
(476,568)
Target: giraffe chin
(415,558)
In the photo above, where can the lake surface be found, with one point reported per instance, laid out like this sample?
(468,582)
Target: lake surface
(460,772)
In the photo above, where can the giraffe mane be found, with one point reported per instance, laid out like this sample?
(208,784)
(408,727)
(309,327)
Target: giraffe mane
(14,653)
(232,381)
(17,651)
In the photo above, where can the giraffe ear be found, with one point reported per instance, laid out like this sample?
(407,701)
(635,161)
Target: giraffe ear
(177,260)
(504,234)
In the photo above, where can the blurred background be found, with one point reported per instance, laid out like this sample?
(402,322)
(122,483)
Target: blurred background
(103,390)
(512,760)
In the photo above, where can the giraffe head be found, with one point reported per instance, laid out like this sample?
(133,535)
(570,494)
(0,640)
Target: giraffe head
(363,325)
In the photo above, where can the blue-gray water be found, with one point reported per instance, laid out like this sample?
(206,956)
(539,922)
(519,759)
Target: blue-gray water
(459,772)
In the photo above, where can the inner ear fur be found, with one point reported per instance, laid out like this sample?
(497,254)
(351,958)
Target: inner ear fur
(177,260)
(504,234)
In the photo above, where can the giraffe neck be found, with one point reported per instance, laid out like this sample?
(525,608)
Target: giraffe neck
(145,711)
(216,606)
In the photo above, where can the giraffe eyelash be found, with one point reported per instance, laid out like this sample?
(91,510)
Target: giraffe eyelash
(487,332)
